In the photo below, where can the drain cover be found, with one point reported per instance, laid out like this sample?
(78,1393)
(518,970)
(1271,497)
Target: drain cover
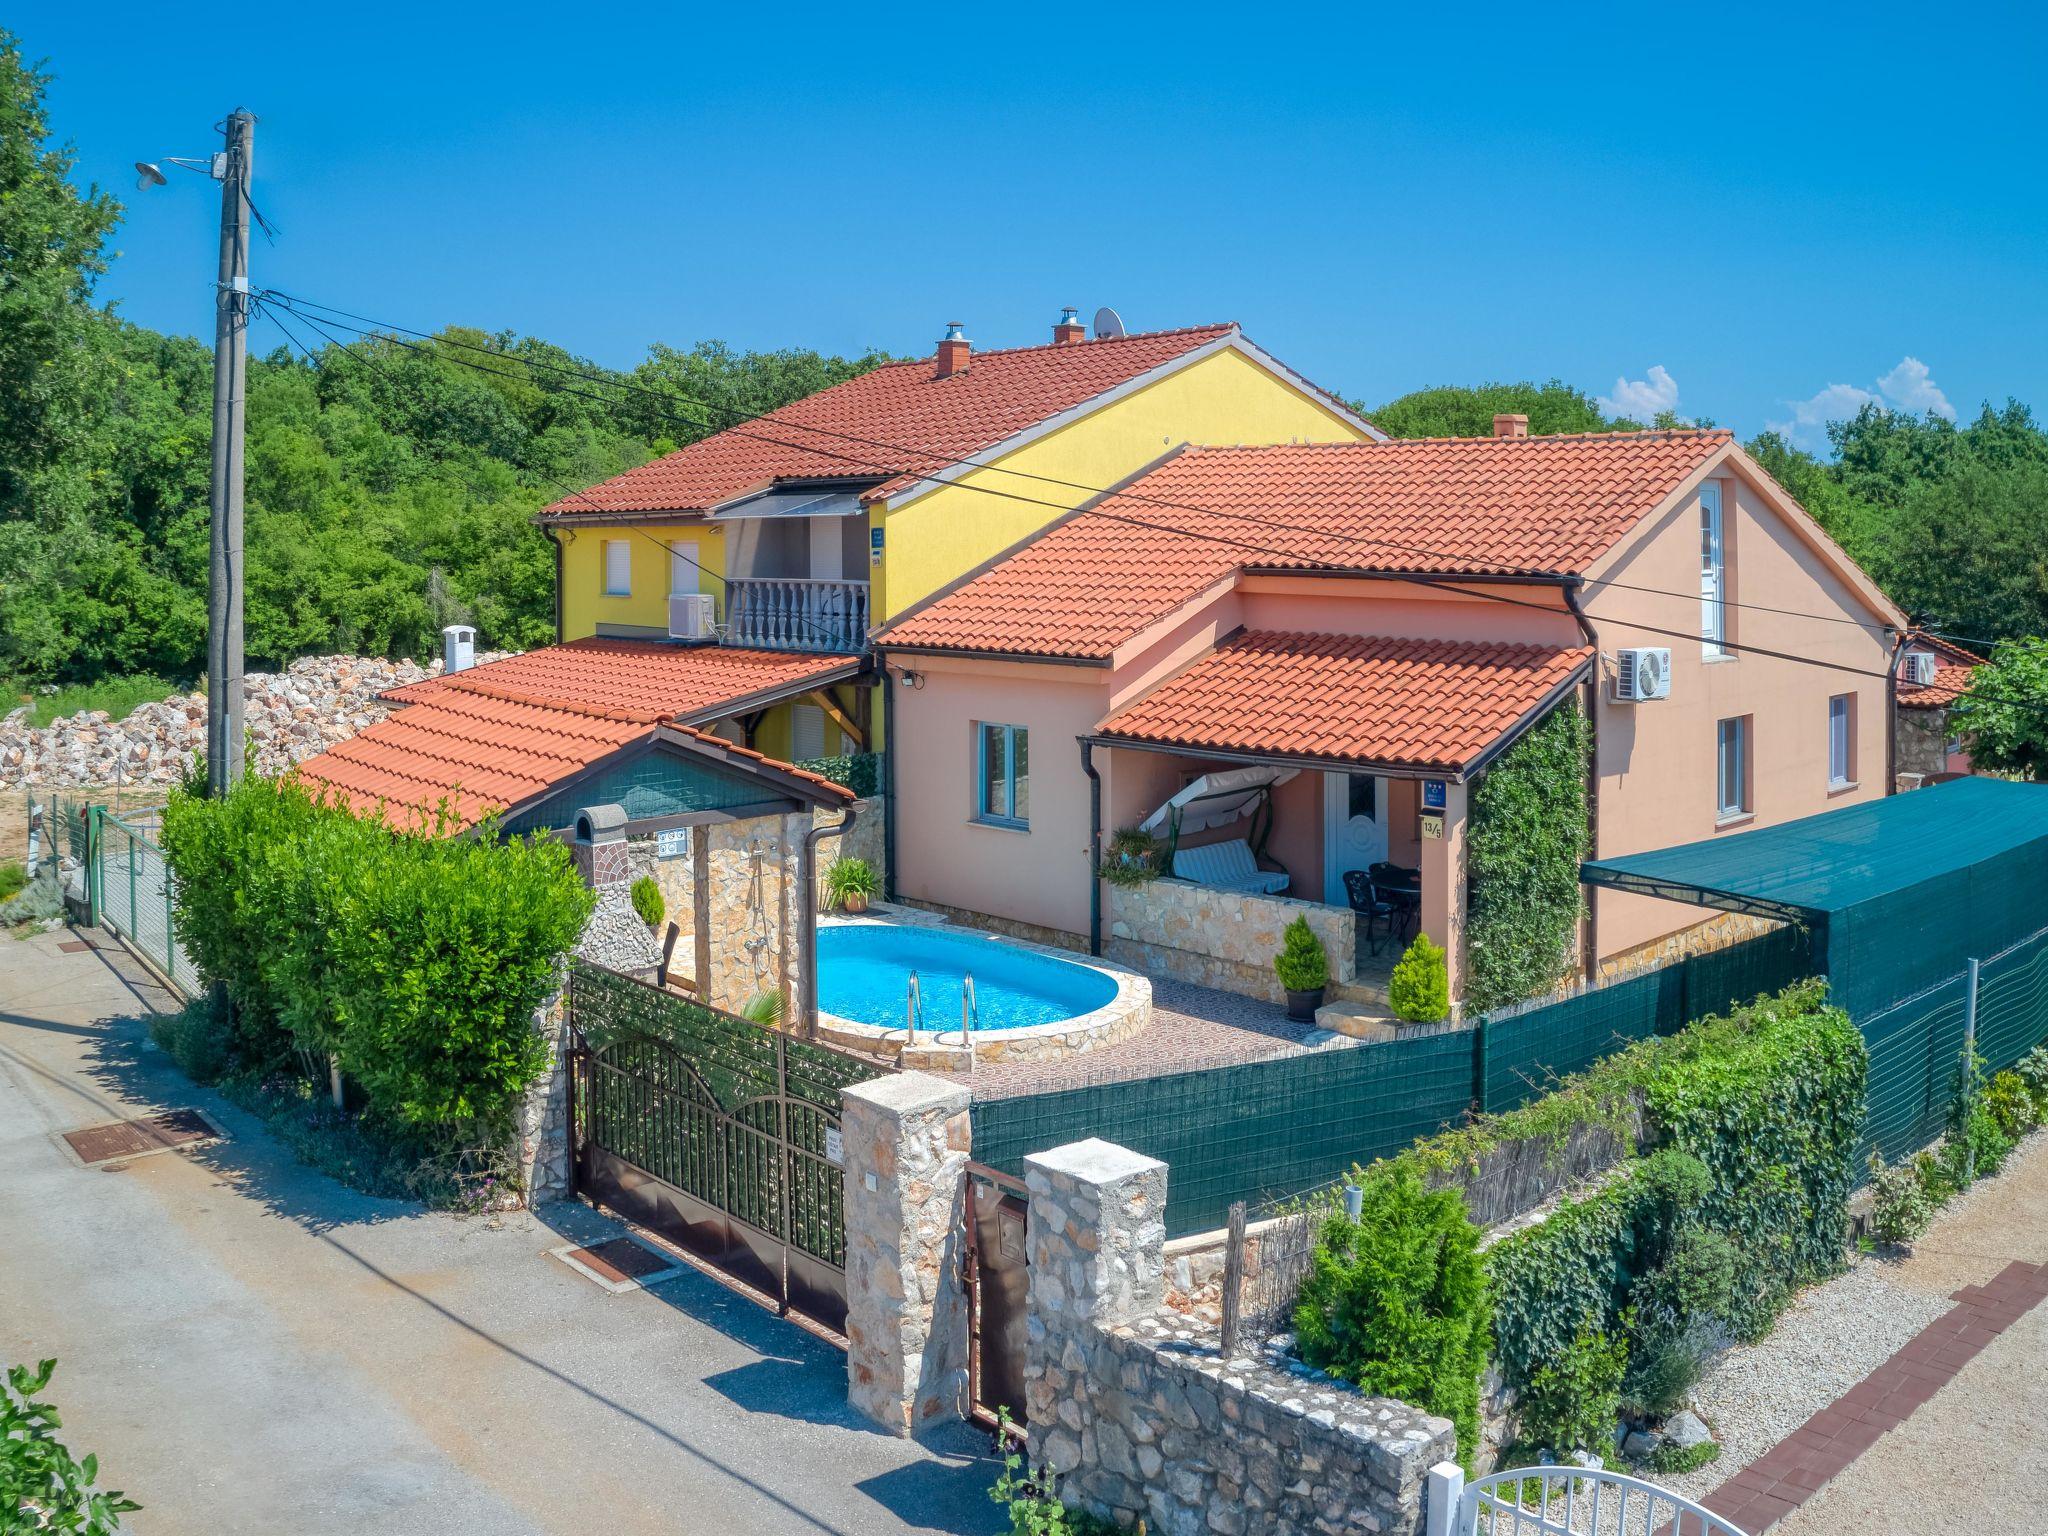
(72,946)
(133,1138)
(620,1264)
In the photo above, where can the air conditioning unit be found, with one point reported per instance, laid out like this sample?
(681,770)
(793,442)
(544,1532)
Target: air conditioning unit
(1642,674)
(1916,668)
(690,616)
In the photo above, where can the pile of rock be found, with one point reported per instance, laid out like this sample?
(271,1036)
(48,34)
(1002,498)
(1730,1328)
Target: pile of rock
(289,716)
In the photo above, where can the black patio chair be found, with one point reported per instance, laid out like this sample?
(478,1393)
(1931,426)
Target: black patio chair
(1402,886)
(1371,907)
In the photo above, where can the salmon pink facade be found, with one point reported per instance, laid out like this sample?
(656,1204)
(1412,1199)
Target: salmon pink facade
(1377,622)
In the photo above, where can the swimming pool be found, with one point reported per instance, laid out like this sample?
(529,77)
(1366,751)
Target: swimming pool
(864,976)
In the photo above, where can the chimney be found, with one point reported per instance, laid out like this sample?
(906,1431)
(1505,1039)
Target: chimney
(1070,329)
(953,351)
(458,648)
(1516,425)
(600,846)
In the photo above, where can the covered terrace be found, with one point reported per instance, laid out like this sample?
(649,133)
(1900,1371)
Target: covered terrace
(1316,775)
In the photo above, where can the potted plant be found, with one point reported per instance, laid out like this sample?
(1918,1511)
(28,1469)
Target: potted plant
(1419,991)
(1303,968)
(850,884)
(1132,858)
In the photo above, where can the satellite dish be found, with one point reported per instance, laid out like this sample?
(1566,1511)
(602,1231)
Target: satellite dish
(1108,324)
(147,176)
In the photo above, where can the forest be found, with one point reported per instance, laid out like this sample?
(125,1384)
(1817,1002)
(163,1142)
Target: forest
(392,479)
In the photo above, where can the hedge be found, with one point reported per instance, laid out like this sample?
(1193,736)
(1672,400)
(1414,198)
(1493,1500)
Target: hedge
(1768,1101)
(417,959)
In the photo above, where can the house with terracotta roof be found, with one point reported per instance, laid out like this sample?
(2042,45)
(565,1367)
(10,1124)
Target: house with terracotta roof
(1344,637)
(1933,674)
(796,532)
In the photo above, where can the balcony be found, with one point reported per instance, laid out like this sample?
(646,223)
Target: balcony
(777,613)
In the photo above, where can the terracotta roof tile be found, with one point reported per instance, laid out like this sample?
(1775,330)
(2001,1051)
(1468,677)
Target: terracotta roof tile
(1397,703)
(1954,667)
(1461,506)
(495,736)
(645,678)
(898,423)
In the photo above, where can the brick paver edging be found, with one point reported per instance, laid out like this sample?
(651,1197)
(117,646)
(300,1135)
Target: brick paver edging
(1800,1465)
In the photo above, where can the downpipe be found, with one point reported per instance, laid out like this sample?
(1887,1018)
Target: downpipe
(807,911)
(1589,960)
(1094,848)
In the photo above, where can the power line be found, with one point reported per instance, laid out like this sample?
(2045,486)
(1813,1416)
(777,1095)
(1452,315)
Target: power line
(566,489)
(1434,582)
(957,461)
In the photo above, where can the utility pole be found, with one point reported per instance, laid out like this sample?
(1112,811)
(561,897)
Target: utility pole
(230,377)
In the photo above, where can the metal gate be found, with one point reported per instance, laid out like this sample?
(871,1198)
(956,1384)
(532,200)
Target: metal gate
(1562,1501)
(717,1133)
(998,1292)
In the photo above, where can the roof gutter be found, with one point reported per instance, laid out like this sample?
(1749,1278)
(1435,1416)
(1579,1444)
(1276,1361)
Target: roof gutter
(1589,960)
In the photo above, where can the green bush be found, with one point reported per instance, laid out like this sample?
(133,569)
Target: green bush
(2012,1108)
(1396,1301)
(42,1486)
(1675,1460)
(418,960)
(12,878)
(1901,1206)
(850,877)
(2032,1072)
(1662,1370)
(1420,988)
(1302,964)
(197,1038)
(1573,1401)
(1032,1500)
(1527,838)
(648,902)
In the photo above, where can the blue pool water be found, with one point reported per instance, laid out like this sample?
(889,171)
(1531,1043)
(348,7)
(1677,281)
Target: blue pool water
(864,975)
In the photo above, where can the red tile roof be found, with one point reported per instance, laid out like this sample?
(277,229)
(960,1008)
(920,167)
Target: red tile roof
(643,677)
(1396,703)
(1953,669)
(1460,506)
(495,736)
(901,422)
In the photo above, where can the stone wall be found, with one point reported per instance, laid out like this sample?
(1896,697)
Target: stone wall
(544,1115)
(1140,1414)
(1218,938)
(866,841)
(1922,742)
(1723,931)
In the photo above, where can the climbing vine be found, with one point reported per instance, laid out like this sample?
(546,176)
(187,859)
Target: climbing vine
(1528,837)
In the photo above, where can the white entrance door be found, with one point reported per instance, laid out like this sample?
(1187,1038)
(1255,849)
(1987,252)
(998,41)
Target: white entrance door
(1354,828)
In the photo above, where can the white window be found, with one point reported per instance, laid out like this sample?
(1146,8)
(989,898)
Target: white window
(1713,574)
(682,568)
(618,568)
(806,732)
(1002,777)
(1841,740)
(1732,768)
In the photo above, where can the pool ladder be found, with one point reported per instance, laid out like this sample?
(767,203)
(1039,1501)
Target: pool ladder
(913,1013)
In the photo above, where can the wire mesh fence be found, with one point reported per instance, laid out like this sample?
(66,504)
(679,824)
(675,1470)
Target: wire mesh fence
(131,885)
(1269,1252)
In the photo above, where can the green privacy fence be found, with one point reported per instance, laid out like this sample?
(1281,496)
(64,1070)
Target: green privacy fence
(1916,1045)
(1254,1129)
(1523,1052)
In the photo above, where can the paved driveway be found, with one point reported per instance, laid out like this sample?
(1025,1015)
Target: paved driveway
(252,1348)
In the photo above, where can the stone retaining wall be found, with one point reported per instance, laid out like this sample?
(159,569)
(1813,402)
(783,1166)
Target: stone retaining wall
(1218,938)
(1139,1413)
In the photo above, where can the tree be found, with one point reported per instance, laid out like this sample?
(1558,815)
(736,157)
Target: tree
(51,252)
(2003,717)
(1457,411)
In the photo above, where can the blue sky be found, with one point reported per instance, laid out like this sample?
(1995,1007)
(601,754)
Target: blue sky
(1757,216)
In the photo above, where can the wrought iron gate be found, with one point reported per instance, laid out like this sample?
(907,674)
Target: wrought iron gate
(721,1135)
(998,1286)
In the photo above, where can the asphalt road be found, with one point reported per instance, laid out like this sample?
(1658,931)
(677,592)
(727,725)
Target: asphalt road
(250,1347)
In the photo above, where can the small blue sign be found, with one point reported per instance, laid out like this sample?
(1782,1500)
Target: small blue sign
(1435,795)
(875,539)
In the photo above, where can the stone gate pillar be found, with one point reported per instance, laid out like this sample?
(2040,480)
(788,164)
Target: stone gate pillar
(904,1141)
(1097,1244)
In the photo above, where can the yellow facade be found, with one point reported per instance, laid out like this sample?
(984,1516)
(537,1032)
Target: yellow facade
(1224,399)
(586,603)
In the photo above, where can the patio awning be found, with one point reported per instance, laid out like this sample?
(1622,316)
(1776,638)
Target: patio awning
(1217,799)
(1438,707)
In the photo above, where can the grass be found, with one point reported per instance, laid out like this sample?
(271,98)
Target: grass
(118,696)
(12,878)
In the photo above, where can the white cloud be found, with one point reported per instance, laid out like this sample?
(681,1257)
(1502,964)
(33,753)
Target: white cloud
(1642,399)
(1908,387)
